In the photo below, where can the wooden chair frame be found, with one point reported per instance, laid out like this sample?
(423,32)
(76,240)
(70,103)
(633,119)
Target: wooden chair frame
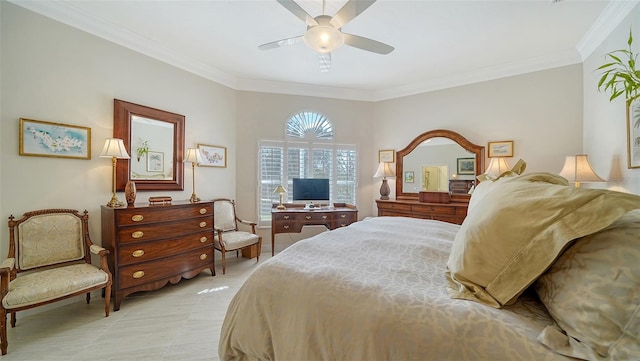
(11,267)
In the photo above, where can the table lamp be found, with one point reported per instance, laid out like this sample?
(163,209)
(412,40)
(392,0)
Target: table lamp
(384,171)
(280,190)
(193,156)
(497,165)
(577,169)
(114,149)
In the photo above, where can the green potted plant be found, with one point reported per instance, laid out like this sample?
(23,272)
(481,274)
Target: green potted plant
(142,149)
(620,76)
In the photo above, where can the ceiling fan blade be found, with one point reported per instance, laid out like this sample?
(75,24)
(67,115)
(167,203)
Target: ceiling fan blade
(298,11)
(349,11)
(281,43)
(367,44)
(325,62)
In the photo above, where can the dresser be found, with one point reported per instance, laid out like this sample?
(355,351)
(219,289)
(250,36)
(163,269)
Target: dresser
(453,212)
(460,186)
(295,216)
(152,245)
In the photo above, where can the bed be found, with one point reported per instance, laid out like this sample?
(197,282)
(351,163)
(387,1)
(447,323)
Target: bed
(392,288)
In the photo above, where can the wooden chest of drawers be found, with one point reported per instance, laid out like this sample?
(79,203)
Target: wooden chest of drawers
(447,212)
(152,245)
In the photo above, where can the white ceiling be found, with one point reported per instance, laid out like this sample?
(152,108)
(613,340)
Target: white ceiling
(438,44)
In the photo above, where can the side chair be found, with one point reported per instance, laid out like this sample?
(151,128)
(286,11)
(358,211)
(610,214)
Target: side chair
(49,260)
(228,237)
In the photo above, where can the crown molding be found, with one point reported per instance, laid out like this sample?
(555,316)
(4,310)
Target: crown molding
(70,15)
(75,17)
(611,17)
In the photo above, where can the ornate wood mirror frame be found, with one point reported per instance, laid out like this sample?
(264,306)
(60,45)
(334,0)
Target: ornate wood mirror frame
(123,116)
(478,150)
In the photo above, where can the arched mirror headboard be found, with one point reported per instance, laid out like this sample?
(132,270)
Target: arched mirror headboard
(440,136)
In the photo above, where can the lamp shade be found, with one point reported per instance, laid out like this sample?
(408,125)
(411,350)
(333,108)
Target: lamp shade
(578,169)
(114,147)
(497,165)
(193,156)
(384,170)
(280,189)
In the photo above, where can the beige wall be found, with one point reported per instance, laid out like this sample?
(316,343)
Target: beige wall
(541,112)
(605,131)
(56,73)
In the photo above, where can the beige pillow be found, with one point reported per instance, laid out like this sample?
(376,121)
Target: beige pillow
(520,228)
(487,183)
(593,293)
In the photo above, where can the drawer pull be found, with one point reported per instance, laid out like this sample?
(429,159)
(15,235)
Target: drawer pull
(203,256)
(324,217)
(137,234)
(203,211)
(137,217)
(203,239)
(343,216)
(203,224)
(307,217)
(287,217)
(138,274)
(138,253)
(285,227)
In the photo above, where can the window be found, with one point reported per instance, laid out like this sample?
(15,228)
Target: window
(307,152)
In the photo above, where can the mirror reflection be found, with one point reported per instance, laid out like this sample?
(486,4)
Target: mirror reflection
(438,160)
(432,164)
(151,148)
(154,139)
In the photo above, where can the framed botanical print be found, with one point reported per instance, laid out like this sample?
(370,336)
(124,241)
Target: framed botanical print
(48,139)
(213,155)
(633,134)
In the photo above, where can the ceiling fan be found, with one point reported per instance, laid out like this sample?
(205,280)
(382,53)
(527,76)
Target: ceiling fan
(324,33)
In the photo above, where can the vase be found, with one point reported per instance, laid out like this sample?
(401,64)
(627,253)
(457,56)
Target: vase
(130,192)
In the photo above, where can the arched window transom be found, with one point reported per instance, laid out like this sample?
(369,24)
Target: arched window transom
(309,124)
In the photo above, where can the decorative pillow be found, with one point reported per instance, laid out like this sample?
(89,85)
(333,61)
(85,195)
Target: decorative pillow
(487,183)
(593,293)
(519,229)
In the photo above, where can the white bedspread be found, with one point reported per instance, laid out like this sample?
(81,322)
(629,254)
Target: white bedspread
(375,290)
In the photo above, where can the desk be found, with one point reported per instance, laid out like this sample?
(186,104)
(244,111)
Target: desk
(295,216)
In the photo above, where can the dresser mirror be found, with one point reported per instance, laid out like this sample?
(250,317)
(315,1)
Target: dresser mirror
(432,160)
(155,141)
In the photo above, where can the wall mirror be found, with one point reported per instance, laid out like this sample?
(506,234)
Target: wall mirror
(155,141)
(432,160)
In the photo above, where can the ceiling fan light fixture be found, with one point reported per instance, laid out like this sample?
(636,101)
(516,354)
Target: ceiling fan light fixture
(323,38)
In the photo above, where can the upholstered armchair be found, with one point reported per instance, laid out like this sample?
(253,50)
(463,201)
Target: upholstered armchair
(49,260)
(228,237)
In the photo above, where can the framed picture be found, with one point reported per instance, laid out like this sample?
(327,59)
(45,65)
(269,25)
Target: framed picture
(501,149)
(213,155)
(47,139)
(408,176)
(155,161)
(467,166)
(386,156)
(633,134)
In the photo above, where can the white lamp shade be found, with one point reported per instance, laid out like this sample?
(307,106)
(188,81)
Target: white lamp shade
(193,156)
(497,166)
(384,170)
(279,189)
(578,169)
(114,147)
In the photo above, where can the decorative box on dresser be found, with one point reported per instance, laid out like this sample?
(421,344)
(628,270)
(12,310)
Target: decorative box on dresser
(453,212)
(152,245)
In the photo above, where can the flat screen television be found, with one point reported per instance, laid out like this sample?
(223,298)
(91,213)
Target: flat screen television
(310,189)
